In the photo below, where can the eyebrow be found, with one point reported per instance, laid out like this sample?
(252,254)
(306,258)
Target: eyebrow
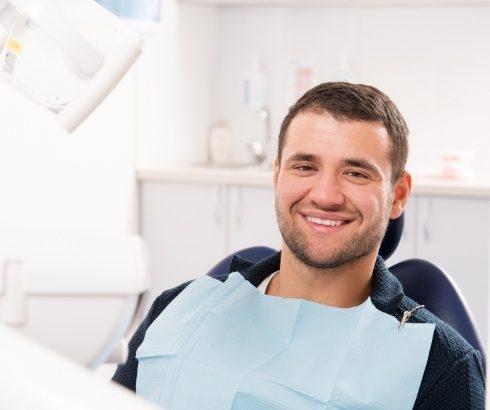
(361,163)
(353,162)
(302,156)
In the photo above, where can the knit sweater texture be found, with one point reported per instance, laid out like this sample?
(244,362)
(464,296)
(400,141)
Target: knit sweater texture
(453,377)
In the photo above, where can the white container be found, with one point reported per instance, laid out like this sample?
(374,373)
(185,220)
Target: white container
(458,164)
(301,79)
(220,144)
(254,86)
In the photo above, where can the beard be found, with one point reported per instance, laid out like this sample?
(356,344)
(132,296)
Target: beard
(354,248)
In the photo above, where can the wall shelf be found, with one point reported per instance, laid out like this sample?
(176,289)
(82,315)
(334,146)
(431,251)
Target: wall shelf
(340,2)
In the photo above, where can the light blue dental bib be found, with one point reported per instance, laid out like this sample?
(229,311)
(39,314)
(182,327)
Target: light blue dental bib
(226,346)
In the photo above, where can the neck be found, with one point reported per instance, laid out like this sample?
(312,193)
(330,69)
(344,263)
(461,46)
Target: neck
(344,286)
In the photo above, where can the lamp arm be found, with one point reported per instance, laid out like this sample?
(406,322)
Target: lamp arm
(50,19)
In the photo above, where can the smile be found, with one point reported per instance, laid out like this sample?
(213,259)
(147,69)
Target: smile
(326,222)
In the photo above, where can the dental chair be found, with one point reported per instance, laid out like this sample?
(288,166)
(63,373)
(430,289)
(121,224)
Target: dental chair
(422,281)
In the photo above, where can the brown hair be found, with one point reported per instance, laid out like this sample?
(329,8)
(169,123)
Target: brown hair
(345,101)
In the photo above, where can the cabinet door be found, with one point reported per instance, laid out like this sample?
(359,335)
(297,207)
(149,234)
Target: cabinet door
(454,233)
(184,226)
(252,218)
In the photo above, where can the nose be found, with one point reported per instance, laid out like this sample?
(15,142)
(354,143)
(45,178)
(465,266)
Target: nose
(326,192)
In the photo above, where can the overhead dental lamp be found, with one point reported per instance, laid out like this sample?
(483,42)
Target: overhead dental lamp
(65,54)
(66,298)
(68,55)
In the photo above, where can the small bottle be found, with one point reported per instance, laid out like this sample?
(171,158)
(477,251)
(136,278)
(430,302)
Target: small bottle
(219,144)
(458,164)
(301,78)
(255,93)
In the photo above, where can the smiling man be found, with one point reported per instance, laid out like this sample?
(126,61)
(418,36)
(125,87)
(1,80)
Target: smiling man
(319,324)
(334,197)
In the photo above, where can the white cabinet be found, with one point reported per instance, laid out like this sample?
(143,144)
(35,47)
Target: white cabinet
(252,219)
(454,234)
(184,227)
(190,227)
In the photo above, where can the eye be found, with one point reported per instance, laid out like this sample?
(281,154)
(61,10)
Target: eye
(303,167)
(357,174)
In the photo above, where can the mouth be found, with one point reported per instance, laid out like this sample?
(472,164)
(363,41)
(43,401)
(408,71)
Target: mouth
(326,222)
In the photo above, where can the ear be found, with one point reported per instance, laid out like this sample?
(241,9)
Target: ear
(276,173)
(401,192)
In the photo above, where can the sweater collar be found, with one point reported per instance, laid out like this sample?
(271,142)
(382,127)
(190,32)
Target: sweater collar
(386,293)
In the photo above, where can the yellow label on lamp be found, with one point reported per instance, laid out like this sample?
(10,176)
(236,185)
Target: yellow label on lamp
(14,46)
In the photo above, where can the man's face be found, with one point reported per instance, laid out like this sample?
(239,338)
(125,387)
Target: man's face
(333,191)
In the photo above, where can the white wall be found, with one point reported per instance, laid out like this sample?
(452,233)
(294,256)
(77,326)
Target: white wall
(174,86)
(86,181)
(50,179)
(434,62)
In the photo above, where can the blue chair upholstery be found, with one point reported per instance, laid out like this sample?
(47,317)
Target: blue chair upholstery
(252,254)
(431,286)
(392,237)
(422,281)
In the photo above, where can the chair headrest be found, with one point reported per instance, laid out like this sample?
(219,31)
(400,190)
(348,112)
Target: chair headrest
(392,236)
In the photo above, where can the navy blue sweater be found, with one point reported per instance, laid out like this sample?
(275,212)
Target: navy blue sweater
(453,377)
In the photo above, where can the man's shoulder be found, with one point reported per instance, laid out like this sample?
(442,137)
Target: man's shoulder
(446,339)
(388,296)
(166,297)
(254,272)
(126,373)
(454,372)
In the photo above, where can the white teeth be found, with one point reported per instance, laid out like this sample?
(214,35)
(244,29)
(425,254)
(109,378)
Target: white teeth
(327,222)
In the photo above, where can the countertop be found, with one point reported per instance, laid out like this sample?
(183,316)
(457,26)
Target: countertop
(260,177)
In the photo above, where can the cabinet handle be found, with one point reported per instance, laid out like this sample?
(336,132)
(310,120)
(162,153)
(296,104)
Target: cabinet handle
(426,226)
(239,208)
(405,234)
(218,206)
